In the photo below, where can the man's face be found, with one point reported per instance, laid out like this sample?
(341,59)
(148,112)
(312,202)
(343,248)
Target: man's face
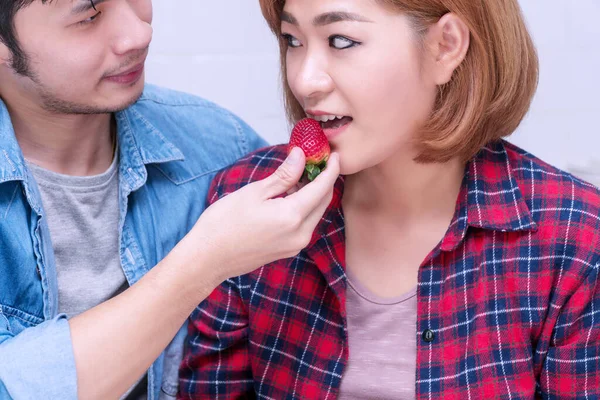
(82,58)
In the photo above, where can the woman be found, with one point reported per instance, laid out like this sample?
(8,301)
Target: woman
(450,263)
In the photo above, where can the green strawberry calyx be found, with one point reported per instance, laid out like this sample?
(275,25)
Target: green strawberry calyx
(313,170)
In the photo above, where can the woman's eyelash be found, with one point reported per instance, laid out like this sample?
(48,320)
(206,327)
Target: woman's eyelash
(337,42)
(290,40)
(340,42)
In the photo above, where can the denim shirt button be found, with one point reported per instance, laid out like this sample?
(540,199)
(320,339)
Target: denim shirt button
(39,273)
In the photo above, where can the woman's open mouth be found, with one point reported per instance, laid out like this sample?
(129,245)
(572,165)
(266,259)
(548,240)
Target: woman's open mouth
(330,121)
(332,124)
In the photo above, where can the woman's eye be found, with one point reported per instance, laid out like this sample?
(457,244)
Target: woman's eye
(291,41)
(341,42)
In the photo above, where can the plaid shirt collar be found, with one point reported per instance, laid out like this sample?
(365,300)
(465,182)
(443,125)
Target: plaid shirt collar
(502,208)
(490,198)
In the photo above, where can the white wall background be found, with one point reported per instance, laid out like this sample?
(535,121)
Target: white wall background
(222,50)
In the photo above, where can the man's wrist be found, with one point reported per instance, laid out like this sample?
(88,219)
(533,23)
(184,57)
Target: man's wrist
(198,259)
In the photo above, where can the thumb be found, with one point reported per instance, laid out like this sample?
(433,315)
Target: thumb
(286,176)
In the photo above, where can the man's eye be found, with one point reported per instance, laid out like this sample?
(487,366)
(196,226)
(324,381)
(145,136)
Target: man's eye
(91,19)
(341,42)
(291,41)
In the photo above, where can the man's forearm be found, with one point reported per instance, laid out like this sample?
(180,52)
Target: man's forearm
(115,342)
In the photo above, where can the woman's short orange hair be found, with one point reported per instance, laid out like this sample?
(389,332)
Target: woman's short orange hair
(490,92)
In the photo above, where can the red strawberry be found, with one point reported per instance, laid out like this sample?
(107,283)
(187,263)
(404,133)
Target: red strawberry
(309,136)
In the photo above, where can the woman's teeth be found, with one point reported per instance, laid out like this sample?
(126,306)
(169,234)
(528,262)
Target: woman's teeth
(331,121)
(325,118)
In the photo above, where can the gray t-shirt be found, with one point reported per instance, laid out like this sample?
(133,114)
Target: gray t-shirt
(83,218)
(382,342)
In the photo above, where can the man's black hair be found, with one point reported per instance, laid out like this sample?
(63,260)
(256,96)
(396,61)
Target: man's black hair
(8,10)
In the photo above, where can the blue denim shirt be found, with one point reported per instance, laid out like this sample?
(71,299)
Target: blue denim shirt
(171,145)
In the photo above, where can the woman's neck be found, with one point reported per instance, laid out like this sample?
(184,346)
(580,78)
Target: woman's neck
(404,190)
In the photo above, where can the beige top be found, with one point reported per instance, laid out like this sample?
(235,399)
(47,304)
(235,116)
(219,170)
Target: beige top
(383,345)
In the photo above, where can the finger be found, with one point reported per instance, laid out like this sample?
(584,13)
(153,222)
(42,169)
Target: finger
(313,219)
(285,177)
(303,182)
(294,189)
(310,196)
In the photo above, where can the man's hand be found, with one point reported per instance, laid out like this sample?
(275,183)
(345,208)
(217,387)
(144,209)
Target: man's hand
(254,226)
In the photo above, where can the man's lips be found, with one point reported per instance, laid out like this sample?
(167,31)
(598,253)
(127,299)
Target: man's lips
(126,72)
(127,76)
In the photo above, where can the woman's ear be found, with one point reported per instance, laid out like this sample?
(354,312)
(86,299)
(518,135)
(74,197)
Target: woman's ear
(448,41)
(4,55)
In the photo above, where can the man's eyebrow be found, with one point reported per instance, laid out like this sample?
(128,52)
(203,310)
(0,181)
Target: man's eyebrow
(326,18)
(83,6)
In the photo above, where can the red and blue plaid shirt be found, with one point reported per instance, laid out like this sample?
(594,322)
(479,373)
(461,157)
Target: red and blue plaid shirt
(508,302)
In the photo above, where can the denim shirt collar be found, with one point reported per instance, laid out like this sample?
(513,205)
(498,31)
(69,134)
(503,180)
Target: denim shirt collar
(140,143)
(12,163)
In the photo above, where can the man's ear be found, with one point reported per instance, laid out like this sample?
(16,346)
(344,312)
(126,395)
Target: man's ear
(448,41)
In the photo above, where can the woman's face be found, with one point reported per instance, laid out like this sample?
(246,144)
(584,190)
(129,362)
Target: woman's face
(361,61)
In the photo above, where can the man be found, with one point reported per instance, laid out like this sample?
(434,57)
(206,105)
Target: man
(102,182)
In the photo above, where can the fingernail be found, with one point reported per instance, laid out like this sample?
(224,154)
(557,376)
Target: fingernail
(294,156)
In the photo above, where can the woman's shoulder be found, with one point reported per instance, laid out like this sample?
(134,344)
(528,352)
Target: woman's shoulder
(252,167)
(565,208)
(538,179)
